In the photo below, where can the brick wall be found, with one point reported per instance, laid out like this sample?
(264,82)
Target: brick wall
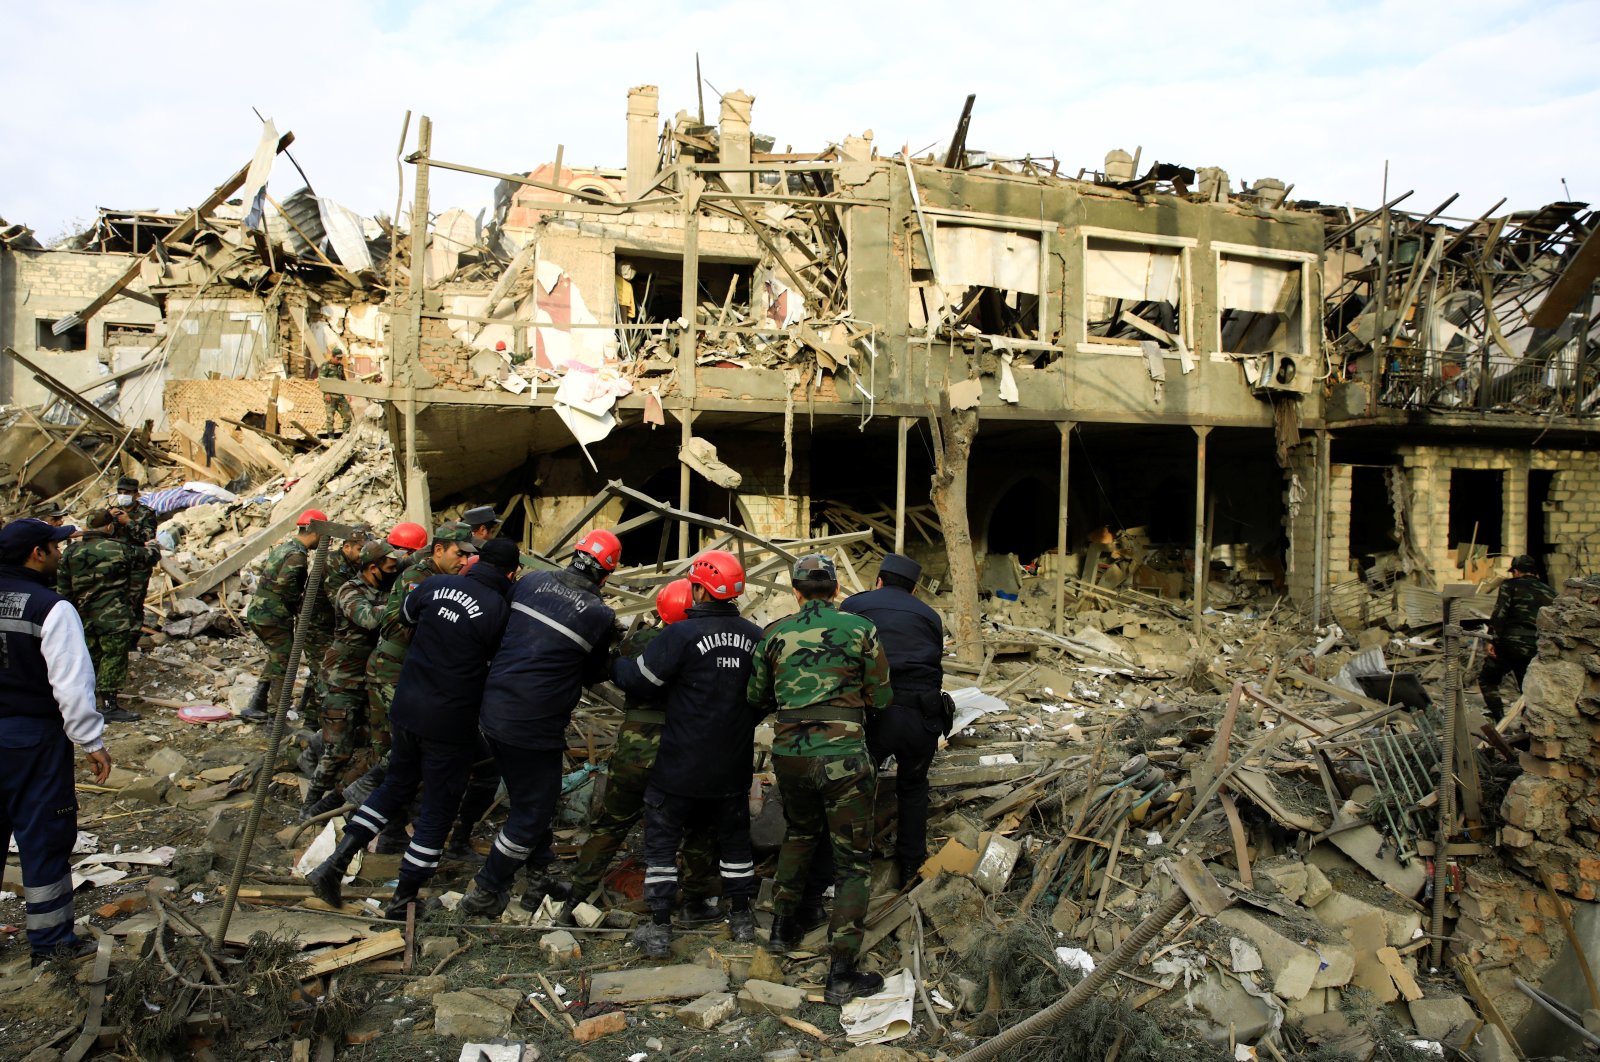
(1339,481)
(1572,514)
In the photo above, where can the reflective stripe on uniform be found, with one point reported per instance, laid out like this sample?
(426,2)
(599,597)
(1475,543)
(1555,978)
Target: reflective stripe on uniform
(432,864)
(738,870)
(510,848)
(369,819)
(647,673)
(554,625)
(60,916)
(16,626)
(37,894)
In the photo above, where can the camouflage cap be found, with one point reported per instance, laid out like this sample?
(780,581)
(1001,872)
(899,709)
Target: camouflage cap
(457,532)
(814,569)
(377,550)
(98,518)
(48,511)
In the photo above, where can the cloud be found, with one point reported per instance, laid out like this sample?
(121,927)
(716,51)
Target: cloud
(149,105)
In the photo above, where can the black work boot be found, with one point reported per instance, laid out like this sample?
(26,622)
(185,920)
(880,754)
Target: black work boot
(405,894)
(327,877)
(845,982)
(700,912)
(784,934)
(654,939)
(256,710)
(460,847)
(394,838)
(481,903)
(114,712)
(742,924)
(542,883)
(809,916)
(568,914)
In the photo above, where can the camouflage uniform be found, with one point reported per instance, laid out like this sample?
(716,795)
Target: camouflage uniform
(332,403)
(320,635)
(276,605)
(344,701)
(823,670)
(140,529)
(1516,637)
(94,575)
(622,807)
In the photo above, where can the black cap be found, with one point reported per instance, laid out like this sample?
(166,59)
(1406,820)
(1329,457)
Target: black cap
(127,484)
(28,534)
(501,553)
(901,565)
(477,517)
(1524,563)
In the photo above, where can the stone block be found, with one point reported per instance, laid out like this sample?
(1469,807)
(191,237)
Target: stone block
(1228,1010)
(1340,909)
(709,1011)
(764,967)
(612,1021)
(1435,1018)
(1289,878)
(436,948)
(1318,887)
(996,863)
(147,790)
(1492,1046)
(476,1013)
(763,997)
(561,947)
(1294,967)
(166,762)
(653,984)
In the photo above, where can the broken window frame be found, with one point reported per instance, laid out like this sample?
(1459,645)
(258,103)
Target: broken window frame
(1184,245)
(46,340)
(1309,264)
(933,217)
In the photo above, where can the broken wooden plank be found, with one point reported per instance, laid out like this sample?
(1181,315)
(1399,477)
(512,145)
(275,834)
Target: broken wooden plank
(378,947)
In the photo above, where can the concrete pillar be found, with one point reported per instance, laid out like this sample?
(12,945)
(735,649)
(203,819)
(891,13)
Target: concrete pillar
(734,137)
(644,117)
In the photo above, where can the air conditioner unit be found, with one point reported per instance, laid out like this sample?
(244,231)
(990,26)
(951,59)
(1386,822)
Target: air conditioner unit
(1283,372)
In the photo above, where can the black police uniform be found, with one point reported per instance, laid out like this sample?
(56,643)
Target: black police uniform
(909,729)
(459,620)
(556,642)
(702,773)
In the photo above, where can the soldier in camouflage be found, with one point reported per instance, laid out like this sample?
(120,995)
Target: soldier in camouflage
(280,590)
(139,531)
(823,671)
(342,567)
(95,575)
(1515,627)
(627,777)
(359,608)
(333,369)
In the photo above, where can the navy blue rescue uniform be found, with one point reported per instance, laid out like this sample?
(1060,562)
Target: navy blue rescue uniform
(913,638)
(556,642)
(702,773)
(46,692)
(433,720)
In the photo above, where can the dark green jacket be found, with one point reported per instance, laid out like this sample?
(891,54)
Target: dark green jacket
(282,586)
(1515,622)
(96,574)
(819,659)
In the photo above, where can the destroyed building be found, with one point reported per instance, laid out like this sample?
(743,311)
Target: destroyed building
(1197,407)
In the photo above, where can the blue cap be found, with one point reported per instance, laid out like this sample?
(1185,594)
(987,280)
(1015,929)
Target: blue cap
(28,534)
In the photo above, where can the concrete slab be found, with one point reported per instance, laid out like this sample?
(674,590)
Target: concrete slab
(687,981)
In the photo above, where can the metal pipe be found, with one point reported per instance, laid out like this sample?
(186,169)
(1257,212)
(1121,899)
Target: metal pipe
(1555,1010)
(1447,789)
(308,605)
(1085,989)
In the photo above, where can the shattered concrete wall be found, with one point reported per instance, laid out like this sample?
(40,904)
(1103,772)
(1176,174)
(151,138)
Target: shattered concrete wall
(46,285)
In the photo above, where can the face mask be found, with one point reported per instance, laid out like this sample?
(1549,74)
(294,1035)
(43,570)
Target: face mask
(386,579)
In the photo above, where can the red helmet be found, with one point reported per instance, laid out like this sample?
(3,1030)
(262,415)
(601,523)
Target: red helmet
(674,599)
(408,536)
(719,572)
(603,546)
(310,515)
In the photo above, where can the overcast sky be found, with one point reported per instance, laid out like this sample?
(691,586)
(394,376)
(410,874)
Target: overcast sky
(148,105)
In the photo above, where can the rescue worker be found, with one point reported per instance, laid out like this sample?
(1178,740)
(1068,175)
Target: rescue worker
(452,545)
(627,775)
(825,674)
(557,640)
(1515,631)
(47,705)
(458,622)
(342,567)
(702,774)
(51,513)
(276,606)
(359,609)
(482,520)
(95,575)
(138,531)
(912,636)
(332,402)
